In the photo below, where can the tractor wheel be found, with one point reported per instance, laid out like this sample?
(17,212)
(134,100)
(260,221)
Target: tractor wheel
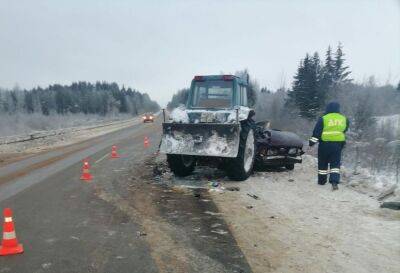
(181,165)
(289,167)
(241,167)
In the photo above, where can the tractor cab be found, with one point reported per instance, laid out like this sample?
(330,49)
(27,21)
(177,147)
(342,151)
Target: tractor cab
(220,92)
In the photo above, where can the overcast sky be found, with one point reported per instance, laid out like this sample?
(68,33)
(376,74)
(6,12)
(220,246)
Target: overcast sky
(158,46)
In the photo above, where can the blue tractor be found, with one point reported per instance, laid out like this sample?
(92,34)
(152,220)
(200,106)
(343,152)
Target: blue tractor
(215,127)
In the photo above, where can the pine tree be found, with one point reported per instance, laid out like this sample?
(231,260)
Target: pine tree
(328,70)
(341,72)
(306,93)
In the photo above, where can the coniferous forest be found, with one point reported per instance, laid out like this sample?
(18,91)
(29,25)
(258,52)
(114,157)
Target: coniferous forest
(60,106)
(101,98)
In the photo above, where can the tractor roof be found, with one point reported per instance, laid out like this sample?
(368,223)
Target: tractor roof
(219,77)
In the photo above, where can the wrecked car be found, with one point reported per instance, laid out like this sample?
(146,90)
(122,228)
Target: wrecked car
(277,148)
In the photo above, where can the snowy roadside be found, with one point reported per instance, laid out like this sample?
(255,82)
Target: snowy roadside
(284,222)
(298,226)
(11,152)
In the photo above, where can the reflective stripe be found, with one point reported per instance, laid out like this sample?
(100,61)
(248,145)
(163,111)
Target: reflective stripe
(9,235)
(331,132)
(322,172)
(314,139)
(8,219)
(335,170)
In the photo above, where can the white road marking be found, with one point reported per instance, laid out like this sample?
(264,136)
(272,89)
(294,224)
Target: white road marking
(101,159)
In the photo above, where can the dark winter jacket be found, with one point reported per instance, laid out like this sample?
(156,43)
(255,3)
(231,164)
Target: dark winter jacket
(332,107)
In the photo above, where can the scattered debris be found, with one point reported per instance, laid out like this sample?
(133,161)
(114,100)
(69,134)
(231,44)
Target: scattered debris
(272,217)
(212,213)
(291,180)
(232,188)
(215,225)
(219,231)
(141,233)
(74,238)
(391,205)
(253,196)
(111,232)
(46,265)
(249,207)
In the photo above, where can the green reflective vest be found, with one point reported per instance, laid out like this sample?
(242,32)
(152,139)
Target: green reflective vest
(334,126)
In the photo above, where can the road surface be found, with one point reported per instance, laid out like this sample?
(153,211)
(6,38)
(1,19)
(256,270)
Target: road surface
(121,221)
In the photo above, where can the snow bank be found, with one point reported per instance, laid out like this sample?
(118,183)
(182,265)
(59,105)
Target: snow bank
(28,123)
(375,185)
(392,121)
(243,114)
(179,115)
(364,181)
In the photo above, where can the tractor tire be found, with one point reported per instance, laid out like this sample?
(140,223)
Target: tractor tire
(181,165)
(289,167)
(241,167)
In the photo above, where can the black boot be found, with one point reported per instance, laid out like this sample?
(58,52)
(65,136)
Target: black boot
(335,186)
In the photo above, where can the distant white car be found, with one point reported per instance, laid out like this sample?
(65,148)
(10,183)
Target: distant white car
(148,118)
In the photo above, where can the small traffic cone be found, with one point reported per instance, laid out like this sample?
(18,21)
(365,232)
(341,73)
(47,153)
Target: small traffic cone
(146,142)
(114,153)
(86,171)
(10,244)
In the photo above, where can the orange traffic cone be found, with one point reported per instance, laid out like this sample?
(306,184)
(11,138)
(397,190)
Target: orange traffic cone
(86,171)
(146,142)
(114,153)
(9,245)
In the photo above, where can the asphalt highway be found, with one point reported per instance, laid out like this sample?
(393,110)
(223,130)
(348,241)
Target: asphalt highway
(121,221)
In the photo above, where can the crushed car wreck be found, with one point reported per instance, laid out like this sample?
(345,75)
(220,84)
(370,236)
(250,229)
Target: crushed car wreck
(216,128)
(277,148)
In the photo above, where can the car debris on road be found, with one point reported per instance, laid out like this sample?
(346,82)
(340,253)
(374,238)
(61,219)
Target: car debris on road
(253,196)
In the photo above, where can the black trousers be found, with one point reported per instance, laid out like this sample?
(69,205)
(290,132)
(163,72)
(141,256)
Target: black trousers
(329,155)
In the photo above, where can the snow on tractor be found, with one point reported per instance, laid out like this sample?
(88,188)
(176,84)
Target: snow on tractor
(216,128)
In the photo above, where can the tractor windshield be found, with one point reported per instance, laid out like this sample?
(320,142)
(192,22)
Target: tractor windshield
(212,94)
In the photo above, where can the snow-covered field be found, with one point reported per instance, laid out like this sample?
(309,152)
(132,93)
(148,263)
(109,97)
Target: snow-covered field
(392,121)
(296,225)
(26,123)
(10,152)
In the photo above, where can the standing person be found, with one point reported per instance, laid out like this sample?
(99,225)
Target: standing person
(330,133)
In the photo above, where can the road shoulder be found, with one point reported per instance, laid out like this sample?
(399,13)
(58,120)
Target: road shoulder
(298,226)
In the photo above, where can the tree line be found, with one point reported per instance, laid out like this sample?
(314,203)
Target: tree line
(100,98)
(315,82)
